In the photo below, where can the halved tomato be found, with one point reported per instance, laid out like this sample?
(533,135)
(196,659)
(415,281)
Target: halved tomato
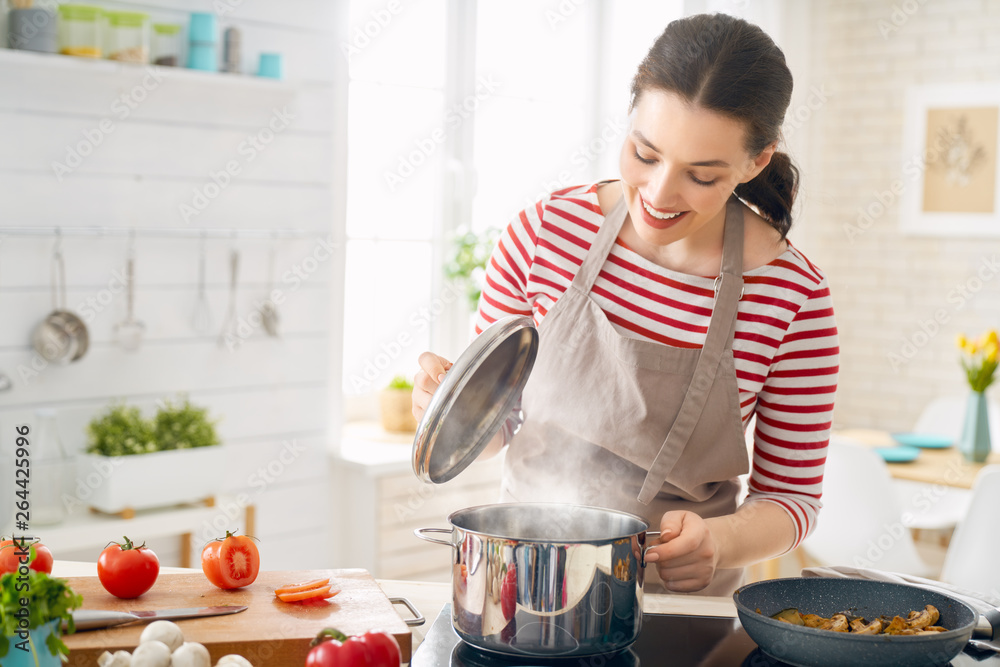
(231,562)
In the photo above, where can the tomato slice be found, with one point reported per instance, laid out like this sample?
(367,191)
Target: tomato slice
(321,593)
(305,586)
(239,561)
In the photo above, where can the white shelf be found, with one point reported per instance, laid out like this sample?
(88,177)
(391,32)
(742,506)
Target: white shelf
(83,66)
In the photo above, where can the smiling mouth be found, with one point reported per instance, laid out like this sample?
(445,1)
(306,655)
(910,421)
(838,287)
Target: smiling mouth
(658,215)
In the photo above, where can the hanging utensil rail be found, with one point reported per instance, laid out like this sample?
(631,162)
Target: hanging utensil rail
(164,232)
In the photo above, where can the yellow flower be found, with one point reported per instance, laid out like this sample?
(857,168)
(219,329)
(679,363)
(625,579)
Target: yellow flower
(992,338)
(961,341)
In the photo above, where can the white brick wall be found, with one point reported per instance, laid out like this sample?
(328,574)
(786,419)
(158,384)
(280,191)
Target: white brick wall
(885,284)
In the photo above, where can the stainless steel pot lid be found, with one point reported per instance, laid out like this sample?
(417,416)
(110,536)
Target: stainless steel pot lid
(474,399)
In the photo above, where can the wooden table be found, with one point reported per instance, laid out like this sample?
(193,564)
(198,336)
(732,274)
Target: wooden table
(430,598)
(934,466)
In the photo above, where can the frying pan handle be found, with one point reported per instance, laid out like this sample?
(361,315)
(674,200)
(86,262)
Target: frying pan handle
(993,632)
(419,532)
(649,533)
(418,618)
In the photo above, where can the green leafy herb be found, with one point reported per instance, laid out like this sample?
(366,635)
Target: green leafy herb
(400,382)
(183,427)
(45,599)
(467,265)
(120,432)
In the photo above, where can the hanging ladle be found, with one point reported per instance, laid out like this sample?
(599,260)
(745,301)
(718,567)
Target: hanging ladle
(202,320)
(269,309)
(129,332)
(227,336)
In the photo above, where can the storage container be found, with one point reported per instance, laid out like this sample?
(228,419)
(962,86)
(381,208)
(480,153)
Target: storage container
(32,29)
(168,44)
(80,30)
(203,37)
(126,36)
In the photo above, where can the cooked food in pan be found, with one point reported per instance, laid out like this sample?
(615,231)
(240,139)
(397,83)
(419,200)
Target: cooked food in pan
(915,623)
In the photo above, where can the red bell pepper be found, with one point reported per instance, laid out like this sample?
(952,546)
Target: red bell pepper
(332,648)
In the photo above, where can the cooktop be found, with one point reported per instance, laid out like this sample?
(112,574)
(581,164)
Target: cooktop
(666,640)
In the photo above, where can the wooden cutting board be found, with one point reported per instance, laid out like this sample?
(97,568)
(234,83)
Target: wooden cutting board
(270,633)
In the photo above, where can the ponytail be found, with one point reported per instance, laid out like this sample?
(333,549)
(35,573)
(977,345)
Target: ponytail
(773,192)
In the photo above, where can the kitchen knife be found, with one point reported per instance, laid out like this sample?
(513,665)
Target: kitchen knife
(94,619)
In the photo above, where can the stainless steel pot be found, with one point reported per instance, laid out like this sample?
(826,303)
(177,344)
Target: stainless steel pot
(546,579)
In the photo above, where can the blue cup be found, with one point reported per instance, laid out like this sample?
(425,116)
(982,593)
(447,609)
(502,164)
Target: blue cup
(271,66)
(18,658)
(203,28)
(203,57)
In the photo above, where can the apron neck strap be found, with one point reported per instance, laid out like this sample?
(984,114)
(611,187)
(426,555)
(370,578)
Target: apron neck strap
(607,234)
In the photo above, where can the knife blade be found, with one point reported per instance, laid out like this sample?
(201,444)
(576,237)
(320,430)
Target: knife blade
(94,619)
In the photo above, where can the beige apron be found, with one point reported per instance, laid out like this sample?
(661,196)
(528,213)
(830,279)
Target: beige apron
(598,405)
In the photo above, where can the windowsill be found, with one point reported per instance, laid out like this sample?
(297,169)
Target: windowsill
(367,445)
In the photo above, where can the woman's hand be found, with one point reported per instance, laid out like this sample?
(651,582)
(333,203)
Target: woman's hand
(687,554)
(427,380)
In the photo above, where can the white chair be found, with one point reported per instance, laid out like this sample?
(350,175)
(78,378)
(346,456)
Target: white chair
(859,524)
(972,561)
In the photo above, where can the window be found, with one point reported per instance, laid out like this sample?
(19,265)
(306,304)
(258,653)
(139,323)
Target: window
(451,127)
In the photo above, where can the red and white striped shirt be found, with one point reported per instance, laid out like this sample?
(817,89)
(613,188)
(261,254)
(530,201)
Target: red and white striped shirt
(785,348)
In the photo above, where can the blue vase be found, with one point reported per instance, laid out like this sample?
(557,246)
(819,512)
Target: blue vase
(18,658)
(974,443)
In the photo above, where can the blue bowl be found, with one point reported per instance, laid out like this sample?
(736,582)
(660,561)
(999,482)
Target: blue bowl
(900,454)
(924,440)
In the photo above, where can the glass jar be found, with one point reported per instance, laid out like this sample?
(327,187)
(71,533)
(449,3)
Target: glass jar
(52,471)
(80,30)
(168,43)
(126,36)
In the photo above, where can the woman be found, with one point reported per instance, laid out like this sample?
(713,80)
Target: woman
(671,309)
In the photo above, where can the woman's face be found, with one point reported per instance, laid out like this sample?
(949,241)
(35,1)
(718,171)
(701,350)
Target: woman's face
(679,165)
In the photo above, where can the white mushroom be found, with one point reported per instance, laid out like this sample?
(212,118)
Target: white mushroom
(152,653)
(119,659)
(191,654)
(233,660)
(163,631)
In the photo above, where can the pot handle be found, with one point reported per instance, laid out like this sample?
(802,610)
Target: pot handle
(654,533)
(989,631)
(419,532)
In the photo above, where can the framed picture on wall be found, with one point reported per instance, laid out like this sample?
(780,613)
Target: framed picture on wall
(951,178)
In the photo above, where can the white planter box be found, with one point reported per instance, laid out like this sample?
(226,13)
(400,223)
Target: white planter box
(115,484)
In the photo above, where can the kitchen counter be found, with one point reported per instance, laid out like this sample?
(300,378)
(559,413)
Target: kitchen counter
(430,598)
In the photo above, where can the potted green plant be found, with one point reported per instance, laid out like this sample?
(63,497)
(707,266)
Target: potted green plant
(41,603)
(134,463)
(396,406)
(467,264)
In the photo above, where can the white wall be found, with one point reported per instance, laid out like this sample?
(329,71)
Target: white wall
(269,392)
(887,285)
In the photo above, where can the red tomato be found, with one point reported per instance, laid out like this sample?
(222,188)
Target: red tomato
(40,558)
(332,648)
(231,562)
(127,571)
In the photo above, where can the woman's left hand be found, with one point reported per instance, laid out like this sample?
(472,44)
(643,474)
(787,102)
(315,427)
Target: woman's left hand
(686,555)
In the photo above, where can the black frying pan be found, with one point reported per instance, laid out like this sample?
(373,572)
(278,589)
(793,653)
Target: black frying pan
(810,647)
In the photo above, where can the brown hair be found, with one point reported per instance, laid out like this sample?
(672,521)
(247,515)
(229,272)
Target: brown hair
(727,65)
